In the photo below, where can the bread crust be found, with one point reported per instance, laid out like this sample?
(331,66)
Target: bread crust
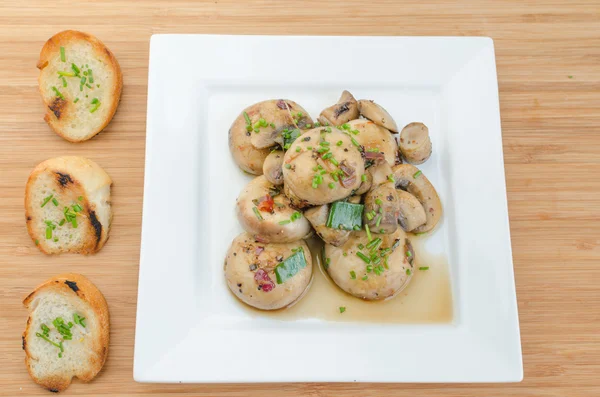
(84,174)
(79,287)
(52,46)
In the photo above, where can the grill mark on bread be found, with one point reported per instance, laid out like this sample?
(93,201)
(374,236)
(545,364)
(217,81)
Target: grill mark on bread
(97,226)
(72,285)
(63,179)
(23,341)
(57,106)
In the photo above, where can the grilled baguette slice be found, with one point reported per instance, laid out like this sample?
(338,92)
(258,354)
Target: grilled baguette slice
(81,99)
(82,356)
(60,190)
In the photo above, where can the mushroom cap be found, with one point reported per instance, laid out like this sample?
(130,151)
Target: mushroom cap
(410,178)
(250,265)
(317,216)
(412,214)
(377,114)
(415,144)
(374,137)
(245,155)
(275,223)
(301,172)
(390,282)
(344,110)
(273,167)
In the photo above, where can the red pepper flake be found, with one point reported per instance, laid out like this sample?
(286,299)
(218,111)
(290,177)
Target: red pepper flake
(265,203)
(263,280)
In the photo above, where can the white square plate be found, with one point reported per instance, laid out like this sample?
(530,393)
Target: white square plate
(189,327)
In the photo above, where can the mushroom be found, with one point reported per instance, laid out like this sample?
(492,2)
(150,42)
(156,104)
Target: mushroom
(321,167)
(415,144)
(344,110)
(377,114)
(317,216)
(380,278)
(246,156)
(267,276)
(272,167)
(381,202)
(268,215)
(267,120)
(410,178)
(412,213)
(376,141)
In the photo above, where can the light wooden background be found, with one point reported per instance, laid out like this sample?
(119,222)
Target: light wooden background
(551,128)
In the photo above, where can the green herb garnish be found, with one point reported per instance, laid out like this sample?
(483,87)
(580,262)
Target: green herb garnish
(62,54)
(362,256)
(342,309)
(46,200)
(417,174)
(424,268)
(290,267)
(78,319)
(57,92)
(258,215)
(344,215)
(352,274)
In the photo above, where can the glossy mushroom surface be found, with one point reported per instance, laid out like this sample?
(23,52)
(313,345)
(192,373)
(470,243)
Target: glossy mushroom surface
(251,271)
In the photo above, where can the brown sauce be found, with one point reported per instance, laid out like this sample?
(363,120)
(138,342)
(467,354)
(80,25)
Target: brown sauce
(427,298)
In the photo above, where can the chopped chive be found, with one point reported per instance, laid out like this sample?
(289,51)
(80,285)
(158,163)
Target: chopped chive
(378,221)
(65,74)
(365,278)
(298,149)
(77,208)
(309,147)
(64,82)
(331,185)
(48,233)
(55,239)
(62,222)
(95,101)
(74,222)
(373,243)
(363,177)
(391,178)
(342,309)
(46,200)
(378,202)
(285,222)
(382,231)
(95,107)
(355,132)
(288,166)
(356,227)
(369,216)
(57,92)
(88,86)
(355,142)
(76,100)
(324,143)
(352,274)
(408,272)
(308,125)
(408,254)
(369,268)
(91,76)
(55,201)
(247,118)
(295,216)
(85,73)
(360,246)
(345,254)
(272,125)
(258,215)
(62,54)
(80,198)
(75,68)
(424,268)
(37,242)
(363,257)
(417,174)
(368,233)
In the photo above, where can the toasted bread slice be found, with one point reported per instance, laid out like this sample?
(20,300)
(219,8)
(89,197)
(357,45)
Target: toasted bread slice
(80,82)
(52,358)
(67,205)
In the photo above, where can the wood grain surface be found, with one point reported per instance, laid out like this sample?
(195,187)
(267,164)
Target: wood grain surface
(548,57)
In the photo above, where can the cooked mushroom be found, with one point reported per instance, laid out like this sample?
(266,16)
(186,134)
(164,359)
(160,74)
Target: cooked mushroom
(369,275)
(268,215)
(411,179)
(267,120)
(381,202)
(267,276)
(377,114)
(344,110)
(415,144)
(317,216)
(322,166)
(412,213)
(272,167)
(246,156)
(377,141)
(365,185)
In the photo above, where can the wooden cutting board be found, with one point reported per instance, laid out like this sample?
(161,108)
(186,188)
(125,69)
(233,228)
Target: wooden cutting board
(548,57)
